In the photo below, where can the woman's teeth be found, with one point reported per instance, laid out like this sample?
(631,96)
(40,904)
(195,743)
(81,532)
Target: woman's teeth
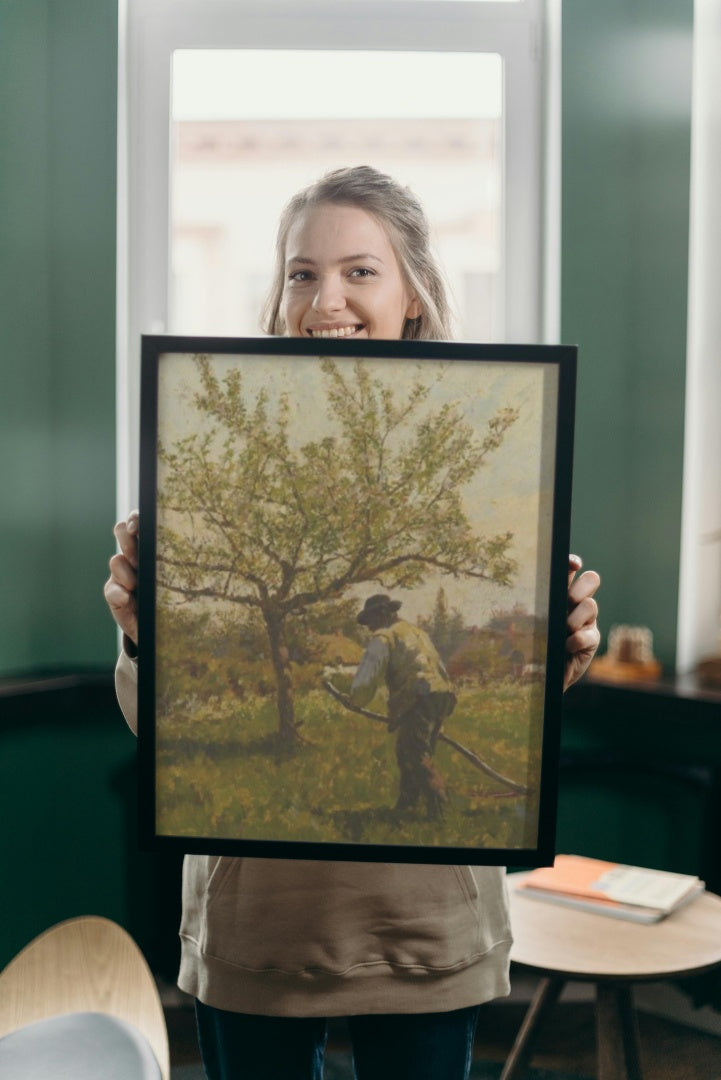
(337,331)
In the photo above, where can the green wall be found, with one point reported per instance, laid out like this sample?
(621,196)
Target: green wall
(626,146)
(626,104)
(67,772)
(626,136)
(58,72)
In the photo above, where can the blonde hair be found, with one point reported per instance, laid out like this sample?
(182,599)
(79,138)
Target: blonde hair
(403,217)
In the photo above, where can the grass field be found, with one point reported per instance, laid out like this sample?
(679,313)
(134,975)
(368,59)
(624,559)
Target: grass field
(221,773)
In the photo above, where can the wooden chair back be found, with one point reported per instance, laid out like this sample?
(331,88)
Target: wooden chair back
(87,964)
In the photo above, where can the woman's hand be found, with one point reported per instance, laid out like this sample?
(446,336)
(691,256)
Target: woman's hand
(582,634)
(121,587)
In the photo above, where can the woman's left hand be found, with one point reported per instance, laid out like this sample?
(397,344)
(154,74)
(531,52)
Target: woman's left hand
(582,634)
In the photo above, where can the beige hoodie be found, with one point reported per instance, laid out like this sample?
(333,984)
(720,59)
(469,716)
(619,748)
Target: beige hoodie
(285,937)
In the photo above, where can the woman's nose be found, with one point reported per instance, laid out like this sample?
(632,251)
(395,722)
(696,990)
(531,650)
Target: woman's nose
(329,296)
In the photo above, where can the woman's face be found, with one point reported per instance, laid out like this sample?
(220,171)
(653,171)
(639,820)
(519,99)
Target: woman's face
(342,277)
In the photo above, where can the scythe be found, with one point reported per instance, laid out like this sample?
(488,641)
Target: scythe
(519,789)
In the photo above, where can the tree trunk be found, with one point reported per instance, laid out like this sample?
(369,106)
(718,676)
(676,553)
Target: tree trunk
(287,724)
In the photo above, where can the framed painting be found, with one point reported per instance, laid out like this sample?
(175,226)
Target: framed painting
(352,597)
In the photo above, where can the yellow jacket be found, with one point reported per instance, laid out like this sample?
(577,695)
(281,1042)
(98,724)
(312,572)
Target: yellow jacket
(404,657)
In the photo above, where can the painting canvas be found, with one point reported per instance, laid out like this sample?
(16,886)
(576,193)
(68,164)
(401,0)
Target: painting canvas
(353,572)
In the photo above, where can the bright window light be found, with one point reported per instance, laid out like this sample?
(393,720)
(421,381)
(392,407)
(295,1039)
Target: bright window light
(232,84)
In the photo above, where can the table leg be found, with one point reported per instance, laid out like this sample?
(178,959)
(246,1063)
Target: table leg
(545,997)
(617,1033)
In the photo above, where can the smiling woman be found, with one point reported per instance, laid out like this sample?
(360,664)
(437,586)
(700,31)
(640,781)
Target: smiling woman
(293,940)
(353,259)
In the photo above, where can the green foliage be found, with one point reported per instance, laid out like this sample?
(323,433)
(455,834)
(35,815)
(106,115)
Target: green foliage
(207,655)
(379,500)
(248,518)
(445,628)
(223,772)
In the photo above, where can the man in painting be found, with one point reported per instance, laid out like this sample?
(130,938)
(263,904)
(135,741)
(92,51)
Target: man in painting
(420,697)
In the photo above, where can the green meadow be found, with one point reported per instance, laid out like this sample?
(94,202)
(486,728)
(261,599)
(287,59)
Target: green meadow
(222,773)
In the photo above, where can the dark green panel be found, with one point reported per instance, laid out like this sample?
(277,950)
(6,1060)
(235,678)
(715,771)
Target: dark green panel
(626,816)
(626,146)
(82,273)
(26,395)
(641,777)
(68,785)
(58,75)
(64,786)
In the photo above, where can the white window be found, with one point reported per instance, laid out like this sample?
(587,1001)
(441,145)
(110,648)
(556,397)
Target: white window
(699,624)
(235,161)
(227,107)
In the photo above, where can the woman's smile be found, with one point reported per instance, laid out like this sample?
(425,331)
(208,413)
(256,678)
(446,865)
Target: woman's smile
(335,331)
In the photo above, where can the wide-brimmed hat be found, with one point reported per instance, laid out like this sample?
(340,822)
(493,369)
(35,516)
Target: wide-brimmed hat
(374,604)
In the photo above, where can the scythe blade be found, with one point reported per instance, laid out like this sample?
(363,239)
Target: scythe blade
(519,789)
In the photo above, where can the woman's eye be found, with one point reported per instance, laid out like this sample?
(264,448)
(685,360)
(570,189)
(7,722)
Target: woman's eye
(300,276)
(362,272)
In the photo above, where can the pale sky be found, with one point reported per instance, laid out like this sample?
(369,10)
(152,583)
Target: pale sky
(257,84)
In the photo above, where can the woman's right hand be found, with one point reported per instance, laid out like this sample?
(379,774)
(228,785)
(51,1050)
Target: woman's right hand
(121,587)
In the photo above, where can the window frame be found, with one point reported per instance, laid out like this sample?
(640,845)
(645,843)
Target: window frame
(526,34)
(698,635)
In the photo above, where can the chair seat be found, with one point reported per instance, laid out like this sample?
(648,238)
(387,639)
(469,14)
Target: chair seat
(78,1046)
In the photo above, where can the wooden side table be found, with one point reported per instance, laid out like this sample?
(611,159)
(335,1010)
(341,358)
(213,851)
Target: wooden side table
(563,944)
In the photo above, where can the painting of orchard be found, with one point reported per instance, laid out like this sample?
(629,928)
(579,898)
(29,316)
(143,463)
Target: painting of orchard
(284,500)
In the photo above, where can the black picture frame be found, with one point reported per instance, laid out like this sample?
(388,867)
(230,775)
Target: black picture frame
(289,480)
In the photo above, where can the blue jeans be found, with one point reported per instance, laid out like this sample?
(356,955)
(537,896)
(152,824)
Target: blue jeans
(414,1046)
